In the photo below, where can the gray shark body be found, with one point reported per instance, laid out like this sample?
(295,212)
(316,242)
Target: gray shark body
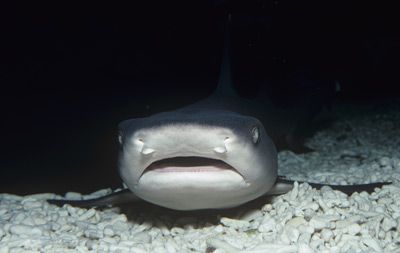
(220,152)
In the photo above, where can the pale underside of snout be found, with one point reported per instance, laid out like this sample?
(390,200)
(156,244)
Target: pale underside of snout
(191,183)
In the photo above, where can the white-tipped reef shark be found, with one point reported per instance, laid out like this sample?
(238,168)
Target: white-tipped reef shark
(220,152)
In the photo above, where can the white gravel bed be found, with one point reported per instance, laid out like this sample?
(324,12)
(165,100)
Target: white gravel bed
(358,148)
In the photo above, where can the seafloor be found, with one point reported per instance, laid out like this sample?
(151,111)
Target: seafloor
(361,146)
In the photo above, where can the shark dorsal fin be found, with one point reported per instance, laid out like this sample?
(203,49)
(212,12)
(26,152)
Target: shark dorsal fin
(225,82)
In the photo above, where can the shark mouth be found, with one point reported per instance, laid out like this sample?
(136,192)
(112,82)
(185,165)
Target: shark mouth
(189,164)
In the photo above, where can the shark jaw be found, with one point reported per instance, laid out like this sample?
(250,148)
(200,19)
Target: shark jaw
(191,183)
(188,164)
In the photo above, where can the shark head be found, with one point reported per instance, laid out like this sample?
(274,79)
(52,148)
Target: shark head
(196,160)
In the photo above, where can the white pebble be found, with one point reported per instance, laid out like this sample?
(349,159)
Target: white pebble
(38,221)
(141,237)
(108,231)
(118,248)
(292,234)
(120,226)
(179,231)
(99,193)
(25,230)
(219,229)
(110,240)
(251,215)
(120,218)
(384,161)
(326,234)
(88,214)
(372,243)
(268,225)
(137,250)
(32,204)
(235,224)
(305,238)
(296,221)
(218,244)
(73,195)
(304,248)
(93,234)
(2,233)
(267,208)
(319,222)
(388,224)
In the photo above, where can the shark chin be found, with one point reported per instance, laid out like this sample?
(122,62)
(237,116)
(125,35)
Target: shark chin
(189,164)
(178,181)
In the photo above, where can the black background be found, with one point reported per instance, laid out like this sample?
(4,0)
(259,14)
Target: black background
(70,73)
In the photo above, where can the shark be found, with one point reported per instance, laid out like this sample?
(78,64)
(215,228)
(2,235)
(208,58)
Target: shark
(219,152)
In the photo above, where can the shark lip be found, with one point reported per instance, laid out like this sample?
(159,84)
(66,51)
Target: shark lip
(189,164)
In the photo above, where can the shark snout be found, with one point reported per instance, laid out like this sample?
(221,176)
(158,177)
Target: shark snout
(188,141)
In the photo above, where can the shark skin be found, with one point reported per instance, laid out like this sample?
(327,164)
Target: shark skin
(220,152)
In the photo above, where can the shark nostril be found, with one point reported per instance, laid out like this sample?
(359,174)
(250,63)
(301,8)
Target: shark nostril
(139,144)
(227,140)
(147,151)
(220,150)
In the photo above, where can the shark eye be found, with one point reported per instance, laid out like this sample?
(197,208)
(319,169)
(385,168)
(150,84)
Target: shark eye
(255,134)
(120,138)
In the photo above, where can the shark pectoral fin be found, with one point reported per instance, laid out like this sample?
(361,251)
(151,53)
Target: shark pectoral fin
(350,189)
(114,198)
(280,188)
(297,144)
(299,148)
(283,185)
